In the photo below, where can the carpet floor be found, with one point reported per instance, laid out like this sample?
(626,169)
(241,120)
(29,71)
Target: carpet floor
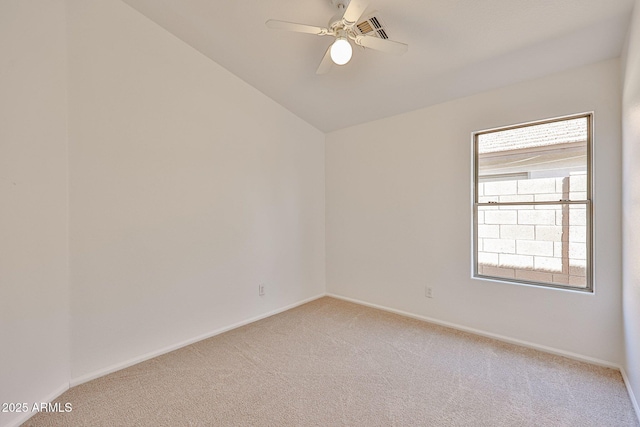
(334,363)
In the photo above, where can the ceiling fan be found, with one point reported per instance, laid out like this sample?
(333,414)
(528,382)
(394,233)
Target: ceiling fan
(346,25)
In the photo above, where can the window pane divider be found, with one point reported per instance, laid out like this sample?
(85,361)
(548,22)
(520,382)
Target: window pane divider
(539,203)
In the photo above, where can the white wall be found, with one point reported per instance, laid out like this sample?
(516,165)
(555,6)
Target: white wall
(188,189)
(631,207)
(399,215)
(34,275)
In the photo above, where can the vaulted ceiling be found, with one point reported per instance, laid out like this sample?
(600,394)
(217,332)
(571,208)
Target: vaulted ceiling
(456,48)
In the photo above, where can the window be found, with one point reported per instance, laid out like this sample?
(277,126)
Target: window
(532,203)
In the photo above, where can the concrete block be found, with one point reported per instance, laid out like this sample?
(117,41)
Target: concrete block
(555,208)
(577,216)
(501,217)
(480,217)
(487,199)
(552,197)
(501,246)
(557,249)
(578,183)
(550,264)
(515,261)
(489,231)
(542,217)
(578,195)
(577,251)
(578,281)
(507,273)
(517,198)
(537,186)
(577,267)
(534,276)
(519,207)
(485,258)
(577,233)
(498,188)
(550,233)
(526,232)
(534,247)
(561,279)
(480,245)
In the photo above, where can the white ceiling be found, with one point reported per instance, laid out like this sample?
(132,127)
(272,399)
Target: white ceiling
(456,48)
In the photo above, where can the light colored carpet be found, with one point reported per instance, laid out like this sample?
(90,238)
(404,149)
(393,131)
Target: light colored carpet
(333,363)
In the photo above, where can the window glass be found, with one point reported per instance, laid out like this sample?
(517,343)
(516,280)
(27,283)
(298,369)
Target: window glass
(532,203)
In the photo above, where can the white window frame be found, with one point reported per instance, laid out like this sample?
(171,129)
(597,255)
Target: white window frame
(588,203)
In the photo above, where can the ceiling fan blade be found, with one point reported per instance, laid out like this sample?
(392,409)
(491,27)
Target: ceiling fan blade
(325,64)
(383,45)
(274,24)
(354,11)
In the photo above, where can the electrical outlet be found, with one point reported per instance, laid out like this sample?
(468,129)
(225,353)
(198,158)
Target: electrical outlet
(261,290)
(428,292)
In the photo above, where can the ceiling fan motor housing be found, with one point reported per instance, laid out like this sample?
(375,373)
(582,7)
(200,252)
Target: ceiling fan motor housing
(337,22)
(340,4)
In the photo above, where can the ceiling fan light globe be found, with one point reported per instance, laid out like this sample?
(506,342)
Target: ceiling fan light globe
(341,51)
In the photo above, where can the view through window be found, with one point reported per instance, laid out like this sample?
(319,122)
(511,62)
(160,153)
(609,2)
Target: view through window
(532,212)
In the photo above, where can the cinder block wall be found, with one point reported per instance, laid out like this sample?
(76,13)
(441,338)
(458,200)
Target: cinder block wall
(534,242)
